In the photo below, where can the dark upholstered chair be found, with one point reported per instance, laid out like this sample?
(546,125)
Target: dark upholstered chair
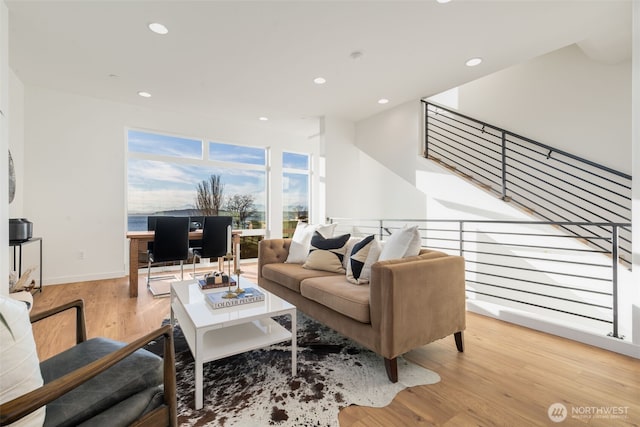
(215,238)
(195,223)
(102,382)
(151,226)
(170,243)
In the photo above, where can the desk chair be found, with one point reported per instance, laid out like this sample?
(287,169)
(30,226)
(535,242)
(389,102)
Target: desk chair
(170,243)
(215,235)
(195,223)
(151,226)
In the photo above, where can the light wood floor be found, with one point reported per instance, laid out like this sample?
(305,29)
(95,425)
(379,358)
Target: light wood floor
(507,376)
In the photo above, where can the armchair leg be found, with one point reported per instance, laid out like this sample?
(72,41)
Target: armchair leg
(459,341)
(391,366)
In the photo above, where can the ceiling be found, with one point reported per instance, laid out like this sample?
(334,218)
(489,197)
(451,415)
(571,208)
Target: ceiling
(245,59)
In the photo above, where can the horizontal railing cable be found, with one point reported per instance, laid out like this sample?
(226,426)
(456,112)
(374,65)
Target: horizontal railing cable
(541,265)
(547,182)
(548,308)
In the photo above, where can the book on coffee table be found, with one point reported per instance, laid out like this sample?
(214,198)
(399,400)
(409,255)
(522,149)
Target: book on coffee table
(217,300)
(204,284)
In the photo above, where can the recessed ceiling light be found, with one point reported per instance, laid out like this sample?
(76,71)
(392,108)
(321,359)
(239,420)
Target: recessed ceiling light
(144,94)
(158,28)
(473,62)
(319,80)
(383,101)
(263,119)
(443,1)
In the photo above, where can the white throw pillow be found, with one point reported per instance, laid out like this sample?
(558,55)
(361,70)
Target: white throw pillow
(19,364)
(403,243)
(301,240)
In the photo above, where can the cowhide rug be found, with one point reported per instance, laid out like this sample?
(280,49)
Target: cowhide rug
(256,388)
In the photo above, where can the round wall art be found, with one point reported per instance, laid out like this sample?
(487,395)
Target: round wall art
(12,179)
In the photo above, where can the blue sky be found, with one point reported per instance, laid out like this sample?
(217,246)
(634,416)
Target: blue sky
(165,145)
(164,185)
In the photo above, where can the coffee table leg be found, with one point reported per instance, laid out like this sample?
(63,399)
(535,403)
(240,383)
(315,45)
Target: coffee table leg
(198,372)
(294,343)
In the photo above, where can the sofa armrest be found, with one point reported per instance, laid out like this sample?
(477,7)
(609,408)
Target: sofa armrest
(272,251)
(416,302)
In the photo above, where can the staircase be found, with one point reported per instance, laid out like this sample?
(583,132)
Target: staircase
(545,182)
(564,270)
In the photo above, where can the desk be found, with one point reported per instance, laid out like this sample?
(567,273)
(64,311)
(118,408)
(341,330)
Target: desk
(136,238)
(19,244)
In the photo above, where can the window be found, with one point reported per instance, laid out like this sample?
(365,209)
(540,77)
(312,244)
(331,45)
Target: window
(295,191)
(166,176)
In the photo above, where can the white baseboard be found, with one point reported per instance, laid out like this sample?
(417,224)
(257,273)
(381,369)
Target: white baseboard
(83,278)
(522,318)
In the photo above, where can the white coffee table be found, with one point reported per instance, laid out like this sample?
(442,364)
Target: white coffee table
(216,333)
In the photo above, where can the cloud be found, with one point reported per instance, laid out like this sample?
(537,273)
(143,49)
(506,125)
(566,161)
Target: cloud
(144,173)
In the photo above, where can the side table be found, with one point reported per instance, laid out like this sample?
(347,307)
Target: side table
(19,244)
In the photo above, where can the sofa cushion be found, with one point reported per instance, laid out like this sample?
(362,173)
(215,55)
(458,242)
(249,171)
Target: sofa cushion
(134,374)
(290,275)
(339,295)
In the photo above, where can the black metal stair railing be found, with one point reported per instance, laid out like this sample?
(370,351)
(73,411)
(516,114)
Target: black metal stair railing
(550,184)
(533,266)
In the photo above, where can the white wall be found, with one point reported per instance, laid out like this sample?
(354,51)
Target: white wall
(393,138)
(4,144)
(16,141)
(75,175)
(635,114)
(340,158)
(562,99)
(362,185)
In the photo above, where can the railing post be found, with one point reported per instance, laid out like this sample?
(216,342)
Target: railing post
(425,114)
(614,277)
(504,166)
(461,232)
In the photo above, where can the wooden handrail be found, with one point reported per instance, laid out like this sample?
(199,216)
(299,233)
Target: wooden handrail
(81,328)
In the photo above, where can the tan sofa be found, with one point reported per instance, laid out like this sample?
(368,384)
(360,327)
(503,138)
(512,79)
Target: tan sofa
(408,303)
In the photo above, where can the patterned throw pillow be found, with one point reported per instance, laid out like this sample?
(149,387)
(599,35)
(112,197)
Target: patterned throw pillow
(327,254)
(301,239)
(363,255)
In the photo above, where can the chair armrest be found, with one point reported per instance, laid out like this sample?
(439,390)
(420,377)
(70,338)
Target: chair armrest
(272,251)
(81,328)
(17,408)
(416,302)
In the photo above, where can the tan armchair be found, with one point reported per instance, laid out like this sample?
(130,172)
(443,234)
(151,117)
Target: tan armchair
(82,384)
